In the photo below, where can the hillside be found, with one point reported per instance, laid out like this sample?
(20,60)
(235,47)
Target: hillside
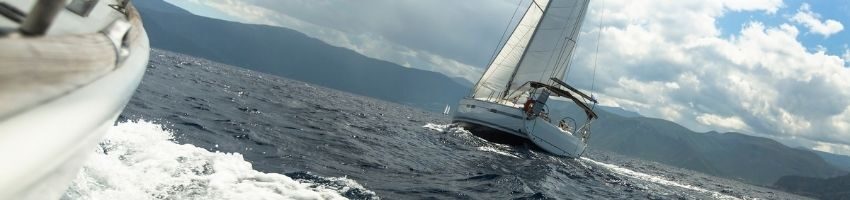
(831,188)
(291,54)
(735,156)
(840,161)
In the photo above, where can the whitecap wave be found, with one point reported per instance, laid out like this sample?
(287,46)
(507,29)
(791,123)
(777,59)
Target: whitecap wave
(437,127)
(497,151)
(457,130)
(452,129)
(139,160)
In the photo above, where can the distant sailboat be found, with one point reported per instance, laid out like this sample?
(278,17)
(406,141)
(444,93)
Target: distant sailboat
(508,102)
(447,110)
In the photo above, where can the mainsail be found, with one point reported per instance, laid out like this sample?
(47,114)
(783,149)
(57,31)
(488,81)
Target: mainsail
(539,48)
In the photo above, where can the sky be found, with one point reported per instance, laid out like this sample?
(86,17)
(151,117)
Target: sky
(772,68)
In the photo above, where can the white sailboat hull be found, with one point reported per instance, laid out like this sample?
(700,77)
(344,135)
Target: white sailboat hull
(553,139)
(506,119)
(529,66)
(512,127)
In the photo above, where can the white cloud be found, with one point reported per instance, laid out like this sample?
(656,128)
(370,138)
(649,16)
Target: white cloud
(729,123)
(368,44)
(769,6)
(677,66)
(811,20)
(833,148)
(842,122)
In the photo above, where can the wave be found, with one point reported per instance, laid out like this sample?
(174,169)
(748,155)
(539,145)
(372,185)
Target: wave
(586,162)
(655,179)
(485,146)
(140,160)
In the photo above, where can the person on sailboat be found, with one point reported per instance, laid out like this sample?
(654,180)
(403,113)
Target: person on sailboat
(527,107)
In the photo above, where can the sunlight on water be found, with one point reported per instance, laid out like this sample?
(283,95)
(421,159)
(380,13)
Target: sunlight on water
(497,151)
(139,160)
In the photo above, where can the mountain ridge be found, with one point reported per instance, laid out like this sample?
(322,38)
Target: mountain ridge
(841,161)
(292,54)
(737,156)
(821,188)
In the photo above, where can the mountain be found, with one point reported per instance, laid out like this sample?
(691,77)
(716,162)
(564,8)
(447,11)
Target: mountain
(840,161)
(463,81)
(830,188)
(619,111)
(735,156)
(288,53)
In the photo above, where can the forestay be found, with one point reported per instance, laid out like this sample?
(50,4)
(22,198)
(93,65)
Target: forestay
(539,48)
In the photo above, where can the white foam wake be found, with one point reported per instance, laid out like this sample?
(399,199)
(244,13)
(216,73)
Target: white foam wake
(655,179)
(437,127)
(138,160)
(453,129)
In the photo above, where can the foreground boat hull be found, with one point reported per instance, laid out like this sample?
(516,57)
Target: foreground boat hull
(44,144)
(49,144)
(505,124)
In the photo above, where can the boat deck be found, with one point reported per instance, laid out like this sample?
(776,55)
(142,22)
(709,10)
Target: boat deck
(68,22)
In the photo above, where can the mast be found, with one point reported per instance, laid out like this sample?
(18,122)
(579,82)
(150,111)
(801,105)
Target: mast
(491,85)
(539,48)
(549,53)
(501,49)
(530,41)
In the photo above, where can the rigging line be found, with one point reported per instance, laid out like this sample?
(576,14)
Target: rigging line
(552,56)
(498,65)
(507,27)
(538,5)
(530,41)
(561,60)
(571,37)
(484,76)
(564,40)
(576,32)
(596,56)
(568,69)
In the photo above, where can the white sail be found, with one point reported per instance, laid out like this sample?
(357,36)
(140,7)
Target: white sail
(539,48)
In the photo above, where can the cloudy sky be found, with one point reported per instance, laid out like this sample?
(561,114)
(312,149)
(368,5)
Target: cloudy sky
(773,68)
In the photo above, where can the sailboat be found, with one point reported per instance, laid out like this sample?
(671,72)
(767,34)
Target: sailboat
(67,69)
(508,103)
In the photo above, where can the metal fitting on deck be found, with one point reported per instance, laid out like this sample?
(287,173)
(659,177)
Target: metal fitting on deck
(41,16)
